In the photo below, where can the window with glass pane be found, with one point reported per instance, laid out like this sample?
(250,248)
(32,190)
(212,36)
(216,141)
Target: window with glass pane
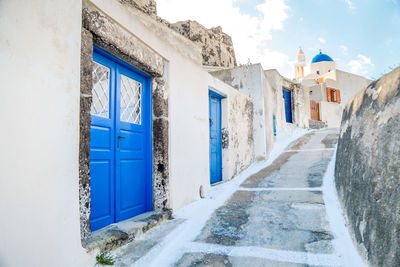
(131,98)
(100,91)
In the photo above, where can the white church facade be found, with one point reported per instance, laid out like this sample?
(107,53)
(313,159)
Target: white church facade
(329,87)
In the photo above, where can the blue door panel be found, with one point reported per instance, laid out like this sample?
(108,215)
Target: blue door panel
(131,157)
(132,195)
(101,137)
(102,194)
(215,139)
(132,142)
(120,151)
(287,96)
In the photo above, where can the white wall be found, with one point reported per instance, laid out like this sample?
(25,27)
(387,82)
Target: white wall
(235,113)
(248,80)
(350,84)
(330,113)
(39,106)
(323,67)
(271,107)
(188,101)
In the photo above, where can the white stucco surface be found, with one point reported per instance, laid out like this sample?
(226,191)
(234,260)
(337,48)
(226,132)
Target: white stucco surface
(235,109)
(350,84)
(330,113)
(248,80)
(40,63)
(323,67)
(188,87)
(188,101)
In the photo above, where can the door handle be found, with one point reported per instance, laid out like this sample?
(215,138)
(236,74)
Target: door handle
(119,137)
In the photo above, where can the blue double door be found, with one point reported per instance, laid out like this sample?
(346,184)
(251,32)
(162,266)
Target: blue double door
(215,138)
(120,146)
(287,96)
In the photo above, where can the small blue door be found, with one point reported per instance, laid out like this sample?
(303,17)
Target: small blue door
(120,146)
(215,138)
(287,96)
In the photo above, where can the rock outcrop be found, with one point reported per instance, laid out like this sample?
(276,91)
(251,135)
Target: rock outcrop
(147,6)
(217,46)
(368,169)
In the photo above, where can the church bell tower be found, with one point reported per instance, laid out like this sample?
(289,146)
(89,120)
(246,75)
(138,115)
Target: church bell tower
(299,65)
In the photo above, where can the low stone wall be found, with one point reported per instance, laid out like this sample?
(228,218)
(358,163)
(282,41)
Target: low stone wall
(368,169)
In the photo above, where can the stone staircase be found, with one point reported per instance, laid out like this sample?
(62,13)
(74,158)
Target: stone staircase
(316,124)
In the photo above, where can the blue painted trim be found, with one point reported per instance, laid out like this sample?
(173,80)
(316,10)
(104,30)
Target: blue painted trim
(216,93)
(274,124)
(287,95)
(217,97)
(119,61)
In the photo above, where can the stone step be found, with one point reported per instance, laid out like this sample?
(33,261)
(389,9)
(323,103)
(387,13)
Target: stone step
(316,124)
(121,233)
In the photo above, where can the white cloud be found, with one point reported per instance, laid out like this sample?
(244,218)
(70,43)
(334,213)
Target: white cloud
(321,40)
(362,65)
(344,49)
(350,4)
(250,34)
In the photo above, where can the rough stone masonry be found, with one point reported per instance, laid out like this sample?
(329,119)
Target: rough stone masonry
(217,46)
(368,169)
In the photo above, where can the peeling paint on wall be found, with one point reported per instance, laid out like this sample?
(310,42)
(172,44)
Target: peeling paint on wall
(225,138)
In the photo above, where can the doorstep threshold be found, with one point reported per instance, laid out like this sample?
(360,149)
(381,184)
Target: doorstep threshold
(123,232)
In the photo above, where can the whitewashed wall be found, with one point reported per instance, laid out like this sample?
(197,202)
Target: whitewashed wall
(248,80)
(40,68)
(188,100)
(236,116)
(330,113)
(272,106)
(39,107)
(350,84)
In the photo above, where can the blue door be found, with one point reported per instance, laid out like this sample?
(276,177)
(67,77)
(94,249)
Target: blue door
(287,96)
(120,146)
(215,139)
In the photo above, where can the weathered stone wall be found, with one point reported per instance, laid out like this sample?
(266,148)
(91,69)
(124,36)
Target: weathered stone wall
(101,31)
(237,111)
(217,46)
(84,131)
(241,140)
(368,169)
(147,6)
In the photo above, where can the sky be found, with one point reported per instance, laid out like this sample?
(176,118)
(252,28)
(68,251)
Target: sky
(362,36)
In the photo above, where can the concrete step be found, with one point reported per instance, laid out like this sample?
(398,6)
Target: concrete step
(316,124)
(121,233)
(132,252)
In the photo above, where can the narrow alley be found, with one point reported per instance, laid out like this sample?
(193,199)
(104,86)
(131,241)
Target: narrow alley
(277,216)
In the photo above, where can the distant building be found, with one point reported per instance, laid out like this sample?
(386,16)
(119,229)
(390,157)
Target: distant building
(329,87)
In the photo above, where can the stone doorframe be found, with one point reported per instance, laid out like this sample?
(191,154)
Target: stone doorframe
(99,30)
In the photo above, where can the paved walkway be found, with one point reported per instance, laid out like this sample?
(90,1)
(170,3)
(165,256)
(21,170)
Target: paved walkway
(274,217)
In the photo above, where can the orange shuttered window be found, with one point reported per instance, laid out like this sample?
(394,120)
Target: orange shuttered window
(329,94)
(333,95)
